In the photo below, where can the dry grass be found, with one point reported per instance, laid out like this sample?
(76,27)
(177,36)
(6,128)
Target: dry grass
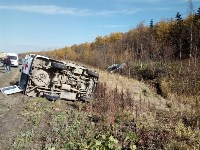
(7,79)
(169,128)
(120,103)
(137,89)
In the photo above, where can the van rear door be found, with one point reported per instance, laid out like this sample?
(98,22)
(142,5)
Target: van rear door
(11,89)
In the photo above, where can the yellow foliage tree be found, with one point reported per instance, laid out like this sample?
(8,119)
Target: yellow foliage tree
(70,54)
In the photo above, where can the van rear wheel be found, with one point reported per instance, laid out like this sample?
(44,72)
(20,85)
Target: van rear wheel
(93,74)
(58,65)
(51,97)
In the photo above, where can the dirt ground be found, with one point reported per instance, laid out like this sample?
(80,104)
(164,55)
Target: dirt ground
(11,122)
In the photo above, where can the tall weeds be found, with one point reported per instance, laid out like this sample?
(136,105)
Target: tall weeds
(155,129)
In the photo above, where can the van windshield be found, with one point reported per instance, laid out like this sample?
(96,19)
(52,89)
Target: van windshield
(13,57)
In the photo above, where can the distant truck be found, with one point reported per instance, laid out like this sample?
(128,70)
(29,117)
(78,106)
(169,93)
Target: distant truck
(45,77)
(2,56)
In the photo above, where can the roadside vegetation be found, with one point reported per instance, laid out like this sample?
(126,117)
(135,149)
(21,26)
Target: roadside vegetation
(164,55)
(113,120)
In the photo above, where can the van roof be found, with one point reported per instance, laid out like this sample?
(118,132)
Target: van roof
(12,54)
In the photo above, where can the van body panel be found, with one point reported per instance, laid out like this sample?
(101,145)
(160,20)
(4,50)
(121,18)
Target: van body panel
(11,89)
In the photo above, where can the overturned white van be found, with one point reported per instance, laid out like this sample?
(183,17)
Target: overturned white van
(45,77)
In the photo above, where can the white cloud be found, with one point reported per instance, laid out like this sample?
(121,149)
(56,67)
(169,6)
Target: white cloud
(122,12)
(46,9)
(53,10)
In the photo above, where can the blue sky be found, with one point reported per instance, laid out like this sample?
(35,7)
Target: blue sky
(35,25)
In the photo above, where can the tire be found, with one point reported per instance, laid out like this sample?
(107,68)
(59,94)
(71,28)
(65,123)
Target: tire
(51,97)
(85,99)
(40,78)
(58,65)
(93,74)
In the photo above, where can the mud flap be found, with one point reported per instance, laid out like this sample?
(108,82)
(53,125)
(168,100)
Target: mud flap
(11,89)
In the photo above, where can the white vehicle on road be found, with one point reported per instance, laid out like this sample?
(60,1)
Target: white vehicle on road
(14,59)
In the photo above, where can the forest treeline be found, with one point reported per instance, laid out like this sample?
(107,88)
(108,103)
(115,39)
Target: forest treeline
(170,45)
(172,39)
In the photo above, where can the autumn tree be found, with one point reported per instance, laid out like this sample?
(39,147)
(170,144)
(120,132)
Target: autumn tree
(116,47)
(86,54)
(177,39)
(151,40)
(99,42)
(162,29)
(70,54)
(197,32)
